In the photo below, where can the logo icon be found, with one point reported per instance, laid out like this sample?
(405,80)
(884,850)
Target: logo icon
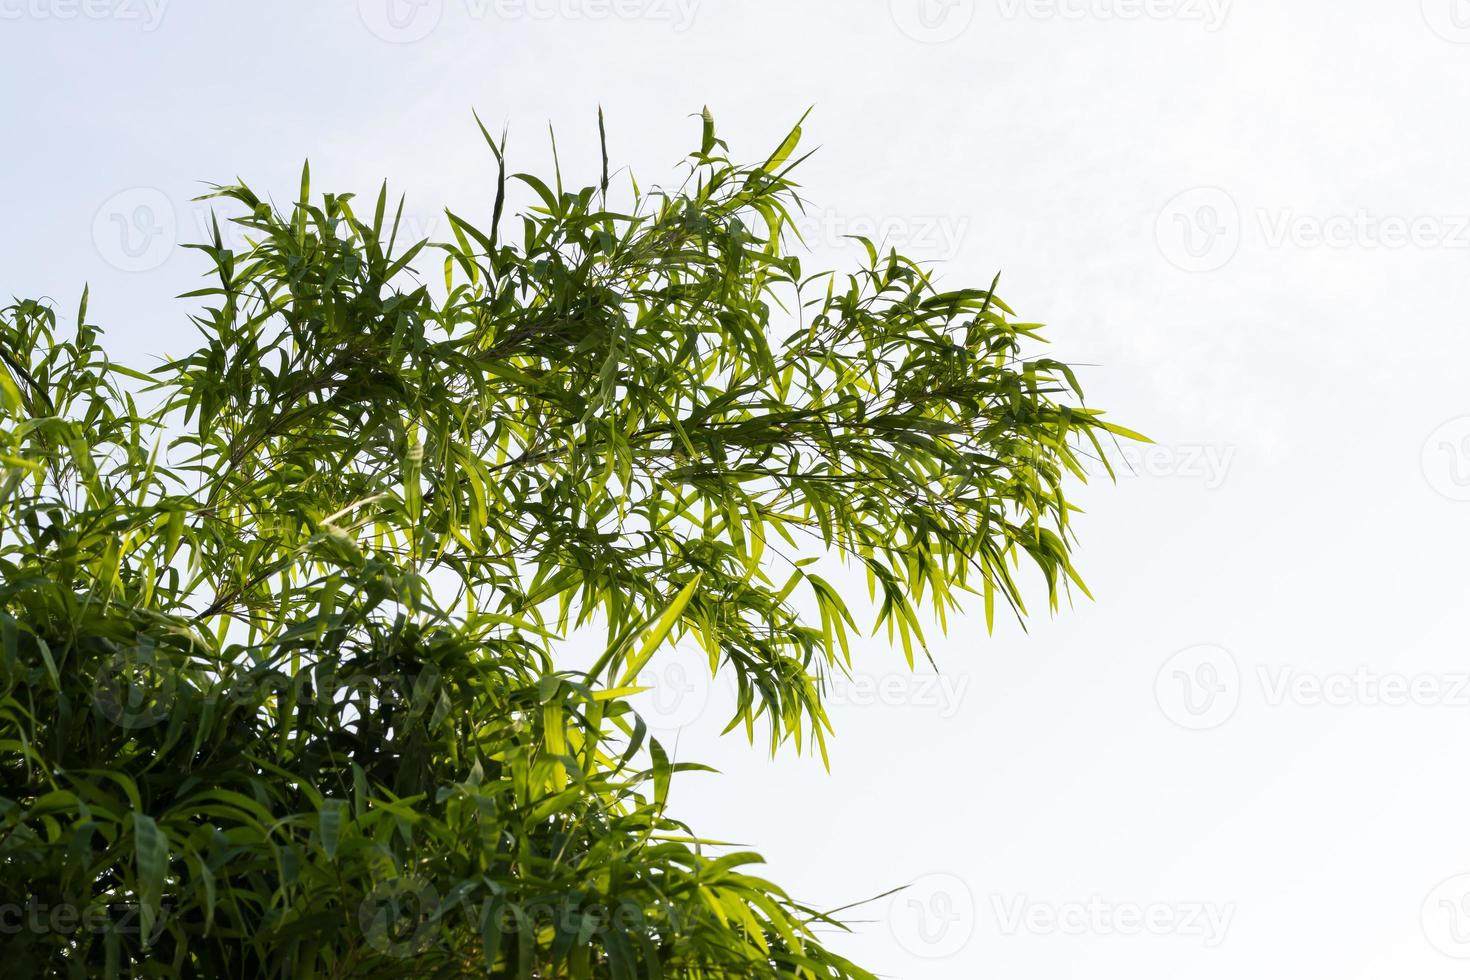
(135,688)
(401,21)
(934,917)
(135,230)
(681,686)
(1199,230)
(1450,19)
(1446,459)
(1446,917)
(932,21)
(1199,687)
(398,916)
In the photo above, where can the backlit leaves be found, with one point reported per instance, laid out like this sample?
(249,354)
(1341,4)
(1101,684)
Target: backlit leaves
(279,619)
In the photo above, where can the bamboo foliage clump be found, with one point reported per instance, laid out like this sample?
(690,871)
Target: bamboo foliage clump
(279,621)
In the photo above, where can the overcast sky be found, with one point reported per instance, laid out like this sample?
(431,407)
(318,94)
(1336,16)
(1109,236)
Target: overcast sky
(1250,219)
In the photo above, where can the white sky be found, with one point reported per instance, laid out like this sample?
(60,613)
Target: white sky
(1252,218)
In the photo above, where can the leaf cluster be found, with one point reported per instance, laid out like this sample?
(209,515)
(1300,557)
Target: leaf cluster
(278,654)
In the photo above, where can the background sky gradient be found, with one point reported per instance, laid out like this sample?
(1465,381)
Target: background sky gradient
(1249,219)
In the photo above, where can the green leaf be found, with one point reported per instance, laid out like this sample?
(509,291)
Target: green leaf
(788,145)
(662,774)
(151,867)
(329,825)
(656,636)
(707,137)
